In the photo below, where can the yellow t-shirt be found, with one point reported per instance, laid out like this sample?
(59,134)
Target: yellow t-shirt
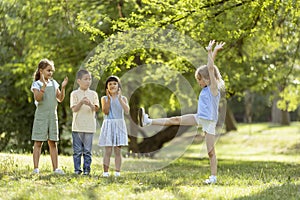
(85,119)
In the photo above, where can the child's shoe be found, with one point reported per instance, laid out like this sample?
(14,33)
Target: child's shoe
(86,173)
(117,174)
(143,118)
(105,174)
(78,172)
(58,171)
(211,180)
(36,171)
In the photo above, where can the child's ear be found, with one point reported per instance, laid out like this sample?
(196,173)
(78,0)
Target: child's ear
(78,81)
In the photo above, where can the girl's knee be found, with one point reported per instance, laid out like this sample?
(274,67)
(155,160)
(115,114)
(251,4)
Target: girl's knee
(108,151)
(52,144)
(175,120)
(38,144)
(117,152)
(211,153)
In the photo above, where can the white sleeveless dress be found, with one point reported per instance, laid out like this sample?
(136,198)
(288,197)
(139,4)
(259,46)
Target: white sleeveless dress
(113,130)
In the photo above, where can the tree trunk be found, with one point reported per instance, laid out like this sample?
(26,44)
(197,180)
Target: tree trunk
(279,116)
(249,97)
(152,145)
(134,128)
(285,119)
(230,122)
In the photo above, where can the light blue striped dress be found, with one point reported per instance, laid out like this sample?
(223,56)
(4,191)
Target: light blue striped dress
(113,130)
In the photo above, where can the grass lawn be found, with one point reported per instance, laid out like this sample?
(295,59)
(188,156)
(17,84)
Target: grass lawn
(257,162)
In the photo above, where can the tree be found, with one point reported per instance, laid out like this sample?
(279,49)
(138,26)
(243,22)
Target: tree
(261,54)
(246,26)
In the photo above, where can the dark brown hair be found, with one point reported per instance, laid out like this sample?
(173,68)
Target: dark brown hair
(42,65)
(113,78)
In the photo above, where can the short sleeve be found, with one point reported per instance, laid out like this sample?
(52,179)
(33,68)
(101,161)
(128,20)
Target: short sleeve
(96,100)
(73,99)
(35,85)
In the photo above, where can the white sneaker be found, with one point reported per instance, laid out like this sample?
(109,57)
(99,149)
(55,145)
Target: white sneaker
(36,171)
(211,180)
(59,171)
(105,174)
(117,174)
(143,118)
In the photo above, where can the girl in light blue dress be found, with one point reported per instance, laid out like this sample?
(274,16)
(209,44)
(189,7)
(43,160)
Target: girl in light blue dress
(113,133)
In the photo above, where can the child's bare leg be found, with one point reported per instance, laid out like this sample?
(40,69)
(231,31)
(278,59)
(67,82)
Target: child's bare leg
(53,153)
(185,120)
(118,158)
(106,158)
(210,144)
(37,153)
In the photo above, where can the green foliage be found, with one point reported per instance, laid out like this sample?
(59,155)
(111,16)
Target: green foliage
(262,37)
(261,52)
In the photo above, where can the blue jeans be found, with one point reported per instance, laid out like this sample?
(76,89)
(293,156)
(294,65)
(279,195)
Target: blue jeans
(82,145)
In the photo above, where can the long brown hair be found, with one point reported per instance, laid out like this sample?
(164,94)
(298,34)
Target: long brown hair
(42,65)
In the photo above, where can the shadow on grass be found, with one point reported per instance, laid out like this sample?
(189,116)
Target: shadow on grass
(286,191)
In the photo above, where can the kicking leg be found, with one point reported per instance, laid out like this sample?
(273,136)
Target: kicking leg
(185,120)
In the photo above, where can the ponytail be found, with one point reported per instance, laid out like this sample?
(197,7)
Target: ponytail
(42,65)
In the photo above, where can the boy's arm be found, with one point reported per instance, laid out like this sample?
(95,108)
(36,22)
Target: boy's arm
(75,104)
(96,102)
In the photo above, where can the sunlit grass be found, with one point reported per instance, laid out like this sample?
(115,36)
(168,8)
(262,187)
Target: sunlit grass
(259,164)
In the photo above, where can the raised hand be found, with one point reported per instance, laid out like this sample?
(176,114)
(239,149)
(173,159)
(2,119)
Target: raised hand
(65,82)
(119,93)
(43,80)
(210,45)
(108,94)
(219,45)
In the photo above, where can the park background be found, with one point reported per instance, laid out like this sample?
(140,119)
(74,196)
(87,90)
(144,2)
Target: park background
(259,63)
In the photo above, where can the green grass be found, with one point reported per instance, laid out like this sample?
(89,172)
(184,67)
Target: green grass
(257,162)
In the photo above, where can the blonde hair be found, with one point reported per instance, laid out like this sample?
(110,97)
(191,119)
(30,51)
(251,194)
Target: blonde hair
(202,73)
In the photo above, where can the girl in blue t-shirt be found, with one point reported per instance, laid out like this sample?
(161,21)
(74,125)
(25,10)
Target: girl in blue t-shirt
(210,80)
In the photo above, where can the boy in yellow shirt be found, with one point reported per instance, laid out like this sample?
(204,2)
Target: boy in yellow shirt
(84,104)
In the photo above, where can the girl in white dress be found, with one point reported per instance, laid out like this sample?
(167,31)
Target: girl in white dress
(113,133)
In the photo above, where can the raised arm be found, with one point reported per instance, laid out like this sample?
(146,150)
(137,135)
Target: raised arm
(60,94)
(123,102)
(210,65)
(219,46)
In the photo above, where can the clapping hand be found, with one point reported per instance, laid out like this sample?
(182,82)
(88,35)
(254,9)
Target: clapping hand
(65,82)
(86,101)
(108,94)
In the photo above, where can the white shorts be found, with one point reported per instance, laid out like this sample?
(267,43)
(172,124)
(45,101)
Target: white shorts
(208,126)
